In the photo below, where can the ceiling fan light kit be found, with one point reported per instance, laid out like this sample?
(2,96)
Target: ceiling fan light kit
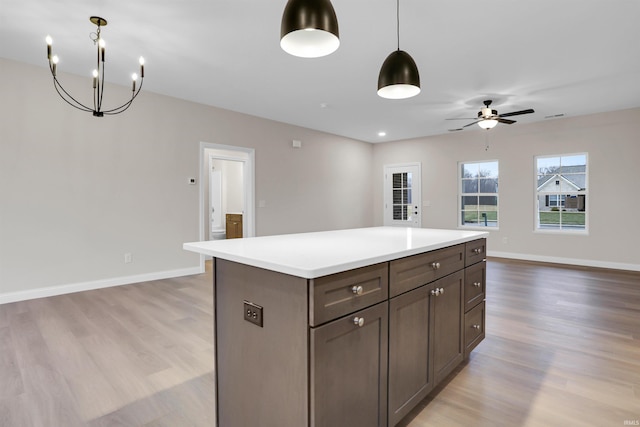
(98,76)
(309,28)
(487,123)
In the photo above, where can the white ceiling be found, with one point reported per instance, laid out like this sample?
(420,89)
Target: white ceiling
(570,57)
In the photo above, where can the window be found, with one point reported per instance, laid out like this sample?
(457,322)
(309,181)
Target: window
(479,194)
(401,195)
(561,192)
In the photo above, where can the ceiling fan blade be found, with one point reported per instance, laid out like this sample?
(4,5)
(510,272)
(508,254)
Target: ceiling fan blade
(517,113)
(506,121)
(455,130)
(472,123)
(463,118)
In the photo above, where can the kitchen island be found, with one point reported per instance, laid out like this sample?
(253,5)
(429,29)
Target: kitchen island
(341,328)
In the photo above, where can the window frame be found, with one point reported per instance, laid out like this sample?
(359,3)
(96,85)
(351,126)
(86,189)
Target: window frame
(461,194)
(561,197)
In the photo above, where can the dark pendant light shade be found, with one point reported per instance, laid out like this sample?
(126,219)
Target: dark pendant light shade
(309,28)
(399,77)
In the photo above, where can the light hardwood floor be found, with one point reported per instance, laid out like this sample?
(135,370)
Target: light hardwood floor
(562,348)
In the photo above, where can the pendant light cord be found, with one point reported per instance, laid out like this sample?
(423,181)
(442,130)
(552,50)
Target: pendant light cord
(398,21)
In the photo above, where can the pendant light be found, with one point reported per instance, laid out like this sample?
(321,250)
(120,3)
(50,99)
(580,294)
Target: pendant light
(309,28)
(399,77)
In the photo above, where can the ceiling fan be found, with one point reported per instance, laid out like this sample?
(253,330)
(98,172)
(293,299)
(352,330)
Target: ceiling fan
(488,118)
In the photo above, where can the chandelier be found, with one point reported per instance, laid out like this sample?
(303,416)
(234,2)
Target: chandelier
(98,76)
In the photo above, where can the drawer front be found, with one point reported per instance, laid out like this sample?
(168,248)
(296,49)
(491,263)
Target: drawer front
(339,294)
(473,328)
(411,272)
(474,284)
(475,251)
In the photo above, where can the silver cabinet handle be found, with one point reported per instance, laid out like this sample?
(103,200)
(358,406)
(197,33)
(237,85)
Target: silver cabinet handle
(435,292)
(435,265)
(358,321)
(476,326)
(477,284)
(477,250)
(441,291)
(357,290)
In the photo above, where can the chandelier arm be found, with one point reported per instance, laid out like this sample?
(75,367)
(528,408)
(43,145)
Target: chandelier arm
(126,105)
(101,85)
(78,104)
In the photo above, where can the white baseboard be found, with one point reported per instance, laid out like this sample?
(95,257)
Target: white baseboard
(568,261)
(50,291)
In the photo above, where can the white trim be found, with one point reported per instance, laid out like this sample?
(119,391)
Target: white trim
(568,261)
(249,181)
(537,193)
(51,291)
(387,218)
(463,226)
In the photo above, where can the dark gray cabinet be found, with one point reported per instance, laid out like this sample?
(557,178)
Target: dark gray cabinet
(475,289)
(359,348)
(427,338)
(447,324)
(410,373)
(349,370)
(425,341)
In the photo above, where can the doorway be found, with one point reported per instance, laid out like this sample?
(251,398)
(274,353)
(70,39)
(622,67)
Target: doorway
(402,195)
(226,189)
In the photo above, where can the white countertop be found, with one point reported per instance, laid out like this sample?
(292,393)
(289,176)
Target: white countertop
(311,255)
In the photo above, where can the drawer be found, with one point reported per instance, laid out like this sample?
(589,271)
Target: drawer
(339,294)
(475,251)
(474,284)
(408,273)
(473,328)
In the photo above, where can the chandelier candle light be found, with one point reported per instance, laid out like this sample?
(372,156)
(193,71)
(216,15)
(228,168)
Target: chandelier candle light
(98,76)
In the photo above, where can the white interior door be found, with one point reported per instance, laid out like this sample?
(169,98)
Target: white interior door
(215,200)
(402,195)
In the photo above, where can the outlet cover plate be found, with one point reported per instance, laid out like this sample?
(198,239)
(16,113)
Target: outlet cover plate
(253,313)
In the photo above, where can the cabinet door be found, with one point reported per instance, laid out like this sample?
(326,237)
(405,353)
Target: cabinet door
(447,324)
(410,379)
(349,370)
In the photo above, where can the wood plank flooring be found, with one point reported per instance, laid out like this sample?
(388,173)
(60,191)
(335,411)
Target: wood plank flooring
(562,348)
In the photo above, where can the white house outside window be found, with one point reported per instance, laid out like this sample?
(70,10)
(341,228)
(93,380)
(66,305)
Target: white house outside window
(561,192)
(478,194)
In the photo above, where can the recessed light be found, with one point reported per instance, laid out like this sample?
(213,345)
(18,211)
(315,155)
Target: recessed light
(382,133)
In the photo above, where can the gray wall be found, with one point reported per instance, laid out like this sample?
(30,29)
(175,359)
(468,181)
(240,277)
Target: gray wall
(78,192)
(612,142)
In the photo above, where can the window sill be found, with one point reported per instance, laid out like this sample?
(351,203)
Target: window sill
(562,232)
(477,228)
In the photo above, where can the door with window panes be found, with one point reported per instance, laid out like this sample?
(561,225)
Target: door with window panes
(402,195)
